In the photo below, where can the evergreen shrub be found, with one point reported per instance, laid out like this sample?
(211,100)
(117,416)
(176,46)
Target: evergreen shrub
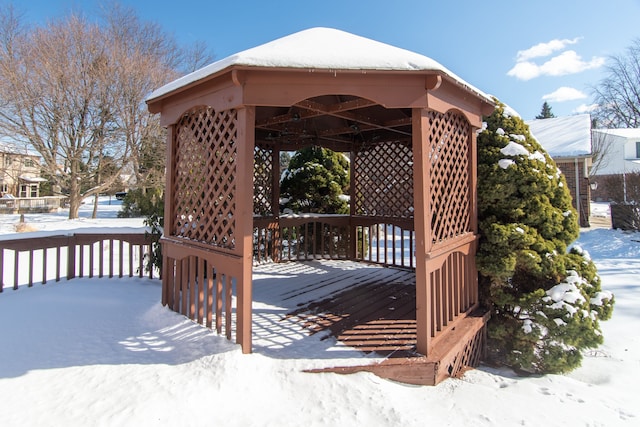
(545,299)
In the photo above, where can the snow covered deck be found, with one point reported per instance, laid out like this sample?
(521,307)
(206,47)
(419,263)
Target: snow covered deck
(368,307)
(364,307)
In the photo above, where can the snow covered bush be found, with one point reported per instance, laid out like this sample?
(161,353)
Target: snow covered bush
(546,301)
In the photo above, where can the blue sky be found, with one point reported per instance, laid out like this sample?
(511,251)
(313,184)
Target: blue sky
(522,52)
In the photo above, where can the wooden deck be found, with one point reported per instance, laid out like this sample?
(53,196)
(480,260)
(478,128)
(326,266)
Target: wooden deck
(370,309)
(373,314)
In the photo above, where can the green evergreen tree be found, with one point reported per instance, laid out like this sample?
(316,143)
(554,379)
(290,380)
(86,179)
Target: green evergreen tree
(545,113)
(315,181)
(545,302)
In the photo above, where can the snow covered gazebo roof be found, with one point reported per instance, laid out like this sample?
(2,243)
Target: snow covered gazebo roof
(568,136)
(320,49)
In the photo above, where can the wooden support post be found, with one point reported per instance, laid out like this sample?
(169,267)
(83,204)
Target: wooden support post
(352,249)
(244,223)
(71,259)
(169,210)
(275,181)
(473,179)
(422,224)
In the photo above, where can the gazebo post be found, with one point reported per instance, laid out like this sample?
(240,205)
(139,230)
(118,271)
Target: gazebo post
(244,223)
(422,225)
(169,207)
(275,180)
(352,250)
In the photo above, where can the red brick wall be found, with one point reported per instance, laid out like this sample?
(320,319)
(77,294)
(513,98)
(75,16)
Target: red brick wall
(568,168)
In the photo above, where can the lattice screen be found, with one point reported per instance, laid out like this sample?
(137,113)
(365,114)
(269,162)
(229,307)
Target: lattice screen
(384,181)
(204,177)
(262,181)
(450,181)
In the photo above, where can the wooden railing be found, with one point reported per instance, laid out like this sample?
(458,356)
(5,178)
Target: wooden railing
(75,255)
(386,241)
(199,284)
(453,280)
(301,237)
(312,236)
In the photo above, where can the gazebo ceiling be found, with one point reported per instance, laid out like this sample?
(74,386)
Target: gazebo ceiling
(334,121)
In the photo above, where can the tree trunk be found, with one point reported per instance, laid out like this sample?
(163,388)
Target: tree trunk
(95,206)
(74,192)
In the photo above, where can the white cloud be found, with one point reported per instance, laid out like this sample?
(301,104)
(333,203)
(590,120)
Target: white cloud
(584,108)
(544,49)
(564,93)
(568,62)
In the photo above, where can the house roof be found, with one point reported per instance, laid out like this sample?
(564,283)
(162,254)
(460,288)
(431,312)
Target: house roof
(568,136)
(19,149)
(624,133)
(321,49)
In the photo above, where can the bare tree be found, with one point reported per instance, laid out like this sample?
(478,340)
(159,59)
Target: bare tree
(196,56)
(74,90)
(144,59)
(600,149)
(618,94)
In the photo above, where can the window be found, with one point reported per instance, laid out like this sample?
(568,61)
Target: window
(7,160)
(23,190)
(34,191)
(29,162)
(4,188)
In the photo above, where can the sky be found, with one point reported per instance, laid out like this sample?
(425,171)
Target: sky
(523,53)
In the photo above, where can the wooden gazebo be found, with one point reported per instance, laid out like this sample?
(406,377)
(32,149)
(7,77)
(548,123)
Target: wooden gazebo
(409,126)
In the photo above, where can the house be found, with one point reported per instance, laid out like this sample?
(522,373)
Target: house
(616,172)
(19,171)
(568,142)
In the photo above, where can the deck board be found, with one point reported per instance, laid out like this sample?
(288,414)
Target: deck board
(369,308)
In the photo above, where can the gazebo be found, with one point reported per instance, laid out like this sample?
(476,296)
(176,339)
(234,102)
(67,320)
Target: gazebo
(409,126)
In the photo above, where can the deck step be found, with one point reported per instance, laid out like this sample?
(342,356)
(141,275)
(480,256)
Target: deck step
(457,350)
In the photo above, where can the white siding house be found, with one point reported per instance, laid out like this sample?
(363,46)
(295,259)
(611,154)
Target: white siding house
(622,154)
(19,171)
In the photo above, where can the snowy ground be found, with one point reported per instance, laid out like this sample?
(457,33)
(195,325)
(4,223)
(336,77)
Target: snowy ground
(105,352)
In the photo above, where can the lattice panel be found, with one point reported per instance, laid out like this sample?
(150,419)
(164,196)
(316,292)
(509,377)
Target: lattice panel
(448,153)
(263,181)
(469,356)
(383,180)
(204,177)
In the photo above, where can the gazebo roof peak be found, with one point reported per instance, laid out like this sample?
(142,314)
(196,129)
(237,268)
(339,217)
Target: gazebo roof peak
(320,49)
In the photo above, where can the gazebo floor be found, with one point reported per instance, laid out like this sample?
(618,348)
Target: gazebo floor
(372,309)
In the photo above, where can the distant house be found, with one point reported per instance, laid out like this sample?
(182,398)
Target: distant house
(568,142)
(618,172)
(19,172)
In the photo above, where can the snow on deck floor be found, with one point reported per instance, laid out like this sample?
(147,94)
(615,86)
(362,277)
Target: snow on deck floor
(279,289)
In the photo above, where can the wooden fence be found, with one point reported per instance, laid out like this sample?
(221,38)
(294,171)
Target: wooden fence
(17,205)
(74,255)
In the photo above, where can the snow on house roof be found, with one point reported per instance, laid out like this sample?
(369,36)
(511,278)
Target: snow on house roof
(624,133)
(320,49)
(568,136)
